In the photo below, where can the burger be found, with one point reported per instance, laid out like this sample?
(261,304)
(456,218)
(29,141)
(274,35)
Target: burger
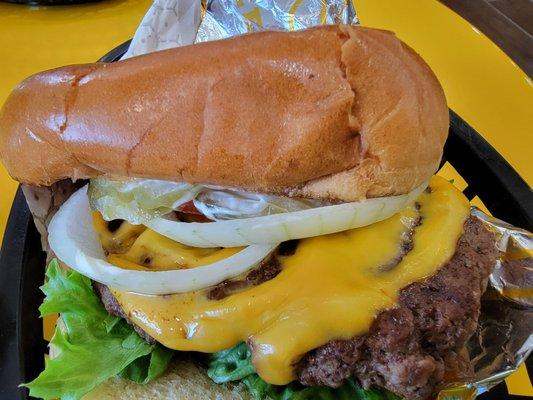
(254,217)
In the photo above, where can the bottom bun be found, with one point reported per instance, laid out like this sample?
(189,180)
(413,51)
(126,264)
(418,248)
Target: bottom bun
(185,379)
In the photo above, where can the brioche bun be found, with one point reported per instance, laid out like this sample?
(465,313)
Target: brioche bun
(332,112)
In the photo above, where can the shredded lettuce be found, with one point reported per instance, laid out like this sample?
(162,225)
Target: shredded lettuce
(229,204)
(231,365)
(138,200)
(259,389)
(235,364)
(91,346)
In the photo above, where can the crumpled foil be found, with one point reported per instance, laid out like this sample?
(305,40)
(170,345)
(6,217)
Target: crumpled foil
(173,23)
(225,18)
(504,336)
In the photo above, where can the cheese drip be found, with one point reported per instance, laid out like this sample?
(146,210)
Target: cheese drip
(331,288)
(136,247)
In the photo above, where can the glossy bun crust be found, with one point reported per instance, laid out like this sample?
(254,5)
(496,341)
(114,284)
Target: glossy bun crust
(336,112)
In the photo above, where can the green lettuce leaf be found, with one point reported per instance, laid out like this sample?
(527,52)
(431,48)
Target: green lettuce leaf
(147,368)
(235,364)
(91,345)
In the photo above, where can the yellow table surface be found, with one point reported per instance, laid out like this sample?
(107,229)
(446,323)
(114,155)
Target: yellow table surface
(482,84)
(33,39)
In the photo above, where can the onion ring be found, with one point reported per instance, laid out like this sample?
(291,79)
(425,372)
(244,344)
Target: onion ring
(75,242)
(276,228)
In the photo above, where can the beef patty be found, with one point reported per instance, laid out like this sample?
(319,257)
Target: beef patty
(411,348)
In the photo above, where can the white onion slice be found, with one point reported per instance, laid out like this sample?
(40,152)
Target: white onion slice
(286,226)
(75,242)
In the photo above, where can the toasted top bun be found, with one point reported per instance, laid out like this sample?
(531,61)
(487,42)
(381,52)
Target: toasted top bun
(333,112)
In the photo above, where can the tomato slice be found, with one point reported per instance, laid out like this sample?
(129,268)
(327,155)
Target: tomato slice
(187,212)
(189,208)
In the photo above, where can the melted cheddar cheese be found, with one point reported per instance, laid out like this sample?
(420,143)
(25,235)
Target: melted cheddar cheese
(139,248)
(331,288)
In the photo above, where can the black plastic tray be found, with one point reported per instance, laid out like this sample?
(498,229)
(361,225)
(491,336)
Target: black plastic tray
(22,262)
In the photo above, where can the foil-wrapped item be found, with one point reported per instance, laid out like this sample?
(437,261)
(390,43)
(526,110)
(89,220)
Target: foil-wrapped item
(225,18)
(513,274)
(504,336)
(174,23)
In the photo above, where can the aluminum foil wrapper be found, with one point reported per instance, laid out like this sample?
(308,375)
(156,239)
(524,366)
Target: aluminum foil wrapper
(225,18)
(173,23)
(504,336)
